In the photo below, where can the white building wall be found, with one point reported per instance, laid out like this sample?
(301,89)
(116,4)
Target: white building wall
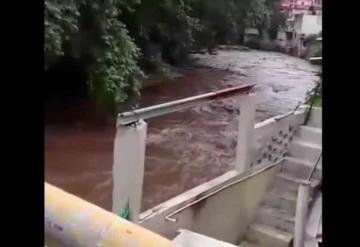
(311,24)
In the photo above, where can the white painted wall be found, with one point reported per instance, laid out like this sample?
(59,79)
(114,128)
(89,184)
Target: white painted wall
(311,24)
(281,38)
(223,214)
(192,239)
(272,138)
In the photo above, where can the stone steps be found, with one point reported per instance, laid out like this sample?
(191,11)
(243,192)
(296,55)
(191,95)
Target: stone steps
(310,134)
(263,235)
(300,168)
(278,218)
(307,151)
(290,183)
(247,244)
(274,222)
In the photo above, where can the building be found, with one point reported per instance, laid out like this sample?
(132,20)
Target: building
(299,5)
(304,18)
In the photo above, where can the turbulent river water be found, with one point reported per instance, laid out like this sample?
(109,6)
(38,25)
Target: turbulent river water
(184,149)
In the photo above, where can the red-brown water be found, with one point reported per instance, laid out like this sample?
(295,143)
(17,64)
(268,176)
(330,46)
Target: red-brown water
(184,149)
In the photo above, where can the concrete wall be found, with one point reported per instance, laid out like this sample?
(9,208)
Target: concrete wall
(311,24)
(223,215)
(272,138)
(281,38)
(223,207)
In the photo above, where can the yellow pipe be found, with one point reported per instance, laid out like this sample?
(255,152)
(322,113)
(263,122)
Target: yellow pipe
(71,221)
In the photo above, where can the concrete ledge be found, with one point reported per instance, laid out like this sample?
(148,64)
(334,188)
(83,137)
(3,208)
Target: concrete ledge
(201,191)
(191,239)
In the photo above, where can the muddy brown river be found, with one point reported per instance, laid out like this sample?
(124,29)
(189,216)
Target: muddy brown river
(184,149)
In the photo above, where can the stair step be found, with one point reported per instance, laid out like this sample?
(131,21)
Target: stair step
(289,180)
(289,185)
(310,134)
(247,244)
(305,150)
(268,236)
(277,218)
(282,199)
(192,239)
(285,201)
(300,168)
(315,119)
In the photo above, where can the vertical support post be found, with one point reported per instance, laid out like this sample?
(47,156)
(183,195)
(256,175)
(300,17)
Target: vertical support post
(128,168)
(301,213)
(245,136)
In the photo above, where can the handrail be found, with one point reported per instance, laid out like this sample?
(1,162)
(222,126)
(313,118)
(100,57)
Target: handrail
(314,168)
(131,117)
(240,179)
(281,117)
(71,221)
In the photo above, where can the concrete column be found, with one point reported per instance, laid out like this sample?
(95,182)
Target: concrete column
(128,168)
(245,138)
(301,213)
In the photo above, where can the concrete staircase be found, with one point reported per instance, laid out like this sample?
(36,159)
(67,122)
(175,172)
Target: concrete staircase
(275,219)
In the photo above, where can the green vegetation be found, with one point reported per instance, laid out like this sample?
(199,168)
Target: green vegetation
(314,96)
(113,39)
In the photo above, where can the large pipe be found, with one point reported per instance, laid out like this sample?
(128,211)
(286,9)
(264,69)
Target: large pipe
(71,221)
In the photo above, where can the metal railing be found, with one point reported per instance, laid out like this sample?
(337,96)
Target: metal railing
(72,221)
(314,167)
(302,207)
(130,142)
(130,117)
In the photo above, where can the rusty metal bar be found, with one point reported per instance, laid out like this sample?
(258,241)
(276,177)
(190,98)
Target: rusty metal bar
(130,117)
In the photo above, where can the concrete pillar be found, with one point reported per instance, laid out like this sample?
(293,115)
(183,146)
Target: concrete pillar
(128,168)
(301,213)
(245,138)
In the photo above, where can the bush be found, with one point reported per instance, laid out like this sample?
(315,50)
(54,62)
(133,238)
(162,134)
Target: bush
(91,32)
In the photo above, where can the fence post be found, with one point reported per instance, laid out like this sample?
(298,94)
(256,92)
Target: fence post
(128,168)
(301,213)
(245,138)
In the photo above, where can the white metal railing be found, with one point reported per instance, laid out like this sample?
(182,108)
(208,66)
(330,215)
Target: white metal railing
(130,142)
(177,105)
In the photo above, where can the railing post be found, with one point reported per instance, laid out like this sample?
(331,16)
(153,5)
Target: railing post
(245,136)
(301,213)
(128,168)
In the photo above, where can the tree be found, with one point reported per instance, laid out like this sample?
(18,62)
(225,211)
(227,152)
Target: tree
(91,32)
